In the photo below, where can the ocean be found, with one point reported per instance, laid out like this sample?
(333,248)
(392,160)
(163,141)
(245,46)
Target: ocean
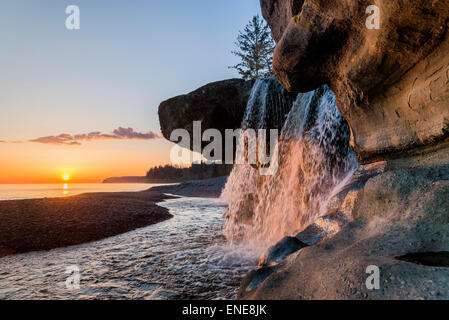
(31,191)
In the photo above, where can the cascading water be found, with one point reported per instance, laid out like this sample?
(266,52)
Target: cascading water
(314,160)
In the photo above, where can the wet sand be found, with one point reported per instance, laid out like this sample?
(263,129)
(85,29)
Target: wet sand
(208,188)
(44,224)
(49,223)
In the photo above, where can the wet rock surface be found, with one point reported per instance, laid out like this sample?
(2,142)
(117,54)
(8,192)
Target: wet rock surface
(275,254)
(325,227)
(398,212)
(253,279)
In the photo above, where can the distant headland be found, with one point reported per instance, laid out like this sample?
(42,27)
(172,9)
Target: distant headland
(176,174)
(128,179)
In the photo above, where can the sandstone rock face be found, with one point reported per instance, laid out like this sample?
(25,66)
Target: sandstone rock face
(279,13)
(218,105)
(401,212)
(391,84)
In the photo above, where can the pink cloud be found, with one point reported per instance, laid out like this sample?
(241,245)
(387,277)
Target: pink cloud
(129,133)
(118,134)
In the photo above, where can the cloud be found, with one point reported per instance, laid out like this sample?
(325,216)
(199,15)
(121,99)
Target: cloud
(129,133)
(63,138)
(118,134)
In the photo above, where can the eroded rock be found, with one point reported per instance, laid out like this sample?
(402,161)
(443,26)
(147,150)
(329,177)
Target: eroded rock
(391,84)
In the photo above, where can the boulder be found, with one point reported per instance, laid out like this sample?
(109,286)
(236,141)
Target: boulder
(391,84)
(221,105)
(218,105)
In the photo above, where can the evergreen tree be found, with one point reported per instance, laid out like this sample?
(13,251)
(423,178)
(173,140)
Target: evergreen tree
(255,49)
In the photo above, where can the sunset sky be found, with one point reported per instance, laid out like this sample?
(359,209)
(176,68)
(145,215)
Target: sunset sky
(84,102)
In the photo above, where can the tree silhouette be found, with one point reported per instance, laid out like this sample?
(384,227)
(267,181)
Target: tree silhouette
(255,49)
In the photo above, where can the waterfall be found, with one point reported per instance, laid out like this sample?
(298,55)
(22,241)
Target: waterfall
(314,160)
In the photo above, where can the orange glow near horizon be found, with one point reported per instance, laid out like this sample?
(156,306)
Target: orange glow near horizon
(90,163)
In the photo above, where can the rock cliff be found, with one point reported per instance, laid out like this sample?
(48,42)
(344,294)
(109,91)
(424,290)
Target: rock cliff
(390,83)
(392,86)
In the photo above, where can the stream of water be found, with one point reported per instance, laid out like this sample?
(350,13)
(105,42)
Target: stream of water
(185,257)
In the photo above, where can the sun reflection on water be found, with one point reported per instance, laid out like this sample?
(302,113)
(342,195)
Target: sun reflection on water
(65,190)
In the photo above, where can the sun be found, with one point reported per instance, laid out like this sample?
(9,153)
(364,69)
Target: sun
(65,177)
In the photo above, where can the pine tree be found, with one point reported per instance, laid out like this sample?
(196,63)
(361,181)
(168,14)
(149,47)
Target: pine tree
(255,50)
